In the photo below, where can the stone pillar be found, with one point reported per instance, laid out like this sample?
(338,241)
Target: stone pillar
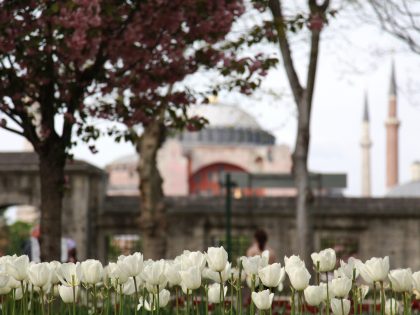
(392,124)
(366,144)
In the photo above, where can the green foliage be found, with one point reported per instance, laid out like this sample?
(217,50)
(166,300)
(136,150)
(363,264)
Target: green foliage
(17,234)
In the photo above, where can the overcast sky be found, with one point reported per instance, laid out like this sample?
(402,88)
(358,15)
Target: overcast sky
(353,58)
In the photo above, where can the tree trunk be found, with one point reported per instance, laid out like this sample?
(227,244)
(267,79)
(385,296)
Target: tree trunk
(304,225)
(51,168)
(152,218)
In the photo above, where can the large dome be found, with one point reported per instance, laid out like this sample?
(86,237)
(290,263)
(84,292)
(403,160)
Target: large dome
(228,125)
(409,190)
(223,115)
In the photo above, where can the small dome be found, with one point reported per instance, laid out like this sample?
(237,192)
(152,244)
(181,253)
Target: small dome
(224,116)
(409,190)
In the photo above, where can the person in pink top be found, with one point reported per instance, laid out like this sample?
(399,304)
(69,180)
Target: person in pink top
(259,245)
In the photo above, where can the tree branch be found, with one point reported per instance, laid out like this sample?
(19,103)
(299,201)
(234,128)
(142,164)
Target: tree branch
(20,133)
(276,10)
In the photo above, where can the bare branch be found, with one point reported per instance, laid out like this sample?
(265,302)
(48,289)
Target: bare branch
(276,10)
(20,133)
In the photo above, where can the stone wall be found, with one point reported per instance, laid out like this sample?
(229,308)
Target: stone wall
(368,226)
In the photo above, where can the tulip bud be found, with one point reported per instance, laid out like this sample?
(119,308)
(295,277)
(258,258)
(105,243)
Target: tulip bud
(340,305)
(39,274)
(401,279)
(67,273)
(326,259)
(299,277)
(214,293)
(131,264)
(263,299)
(271,275)
(66,293)
(341,287)
(292,261)
(217,258)
(191,278)
(314,295)
(17,267)
(172,273)
(91,271)
(374,269)
(154,273)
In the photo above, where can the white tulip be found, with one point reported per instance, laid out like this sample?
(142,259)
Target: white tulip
(340,305)
(416,280)
(363,291)
(172,273)
(191,278)
(116,274)
(325,293)
(67,273)
(17,267)
(54,266)
(18,294)
(263,299)
(215,276)
(154,273)
(5,290)
(392,307)
(164,297)
(347,269)
(340,287)
(248,281)
(39,274)
(314,295)
(374,269)
(217,258)
(189,259)
(131,264)
(214,293)
(235,273)
(252,264)
(293,261)
(401,280)
(271,275)
(150,304)
(325,258)
(299,277)
(66,293)
(91,271)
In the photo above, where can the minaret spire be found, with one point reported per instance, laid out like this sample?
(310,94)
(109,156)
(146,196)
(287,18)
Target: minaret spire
(366,144)
(392,125)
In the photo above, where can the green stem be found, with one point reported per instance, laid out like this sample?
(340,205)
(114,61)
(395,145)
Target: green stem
(382,298)
(374,297)
(176,300)
(41,296)
(188,302)
(73,284)
(293,311)
(207,300)
(158,302)
(121,299)
(342,306)
(328,295)
(300,302)
(252,290)
(231,294)
(14,302)
(136,295)
(240,287)
(221,294)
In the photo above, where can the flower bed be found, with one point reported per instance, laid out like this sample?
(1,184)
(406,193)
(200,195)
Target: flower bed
(207,283)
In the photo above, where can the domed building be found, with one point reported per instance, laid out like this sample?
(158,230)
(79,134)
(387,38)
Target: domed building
(191,162)
(410,189)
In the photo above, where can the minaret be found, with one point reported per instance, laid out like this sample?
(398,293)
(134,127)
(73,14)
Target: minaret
(392,124)
(366,144)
